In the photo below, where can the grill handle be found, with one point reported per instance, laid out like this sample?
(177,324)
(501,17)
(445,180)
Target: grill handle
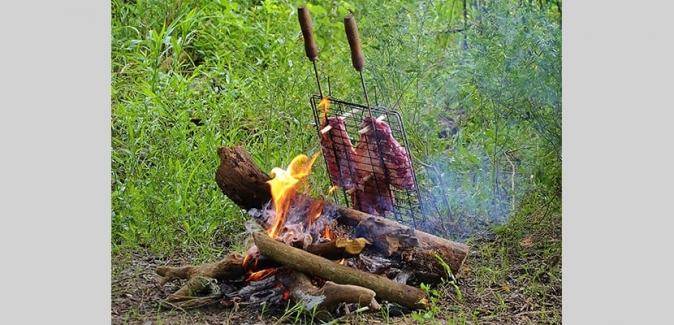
(357,57)
(307,33)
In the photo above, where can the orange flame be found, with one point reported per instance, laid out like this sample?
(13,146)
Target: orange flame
(327,233)
(325,103)
(332,189)
(315,211)
(259,275)
(246,259)
(285,185)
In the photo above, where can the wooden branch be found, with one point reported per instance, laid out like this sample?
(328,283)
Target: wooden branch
(229,267)
(338,248)
(306,262)
(195,286)
(327,297)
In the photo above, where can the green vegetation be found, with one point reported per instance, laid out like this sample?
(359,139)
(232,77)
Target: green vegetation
(480,96)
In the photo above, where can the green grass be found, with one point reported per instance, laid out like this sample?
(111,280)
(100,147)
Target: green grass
(190,76)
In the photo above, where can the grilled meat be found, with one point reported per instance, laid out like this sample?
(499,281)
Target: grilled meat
(339,154)
(373,197)
(378,153)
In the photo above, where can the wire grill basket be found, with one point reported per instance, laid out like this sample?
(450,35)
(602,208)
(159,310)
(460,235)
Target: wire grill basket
(402,204)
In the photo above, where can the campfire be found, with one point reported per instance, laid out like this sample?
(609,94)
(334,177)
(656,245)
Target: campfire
(317,253)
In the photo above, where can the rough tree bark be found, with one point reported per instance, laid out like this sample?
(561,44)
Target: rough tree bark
(240,179)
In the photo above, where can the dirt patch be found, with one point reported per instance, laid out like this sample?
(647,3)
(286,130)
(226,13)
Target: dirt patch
(525,291)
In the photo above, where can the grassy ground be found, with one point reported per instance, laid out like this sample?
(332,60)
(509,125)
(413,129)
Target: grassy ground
(482,113)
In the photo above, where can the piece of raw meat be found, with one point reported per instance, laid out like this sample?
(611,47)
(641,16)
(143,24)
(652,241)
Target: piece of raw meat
(339,154)
(378,153)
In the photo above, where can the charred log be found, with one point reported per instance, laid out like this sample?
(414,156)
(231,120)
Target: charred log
(417,248)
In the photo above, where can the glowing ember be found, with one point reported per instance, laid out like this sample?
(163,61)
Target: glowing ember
(285,185)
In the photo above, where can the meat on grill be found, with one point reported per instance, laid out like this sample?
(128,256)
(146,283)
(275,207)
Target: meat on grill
(373,197)
(339,154)
(379,154)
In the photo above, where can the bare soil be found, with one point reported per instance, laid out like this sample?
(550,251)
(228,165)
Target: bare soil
(528,290)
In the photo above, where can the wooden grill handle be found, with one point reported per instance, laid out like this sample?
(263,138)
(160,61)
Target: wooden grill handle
(307,33)
(357,57)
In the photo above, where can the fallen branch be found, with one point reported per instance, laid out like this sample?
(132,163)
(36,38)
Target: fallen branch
(329,296)
(196,285)
(229,267)
(308,263)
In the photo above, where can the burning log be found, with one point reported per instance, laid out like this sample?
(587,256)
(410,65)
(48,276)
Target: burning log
(416,248)
(308,263)
(413,246)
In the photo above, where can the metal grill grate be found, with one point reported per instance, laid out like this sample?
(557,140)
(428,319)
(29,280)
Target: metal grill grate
(403,205)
